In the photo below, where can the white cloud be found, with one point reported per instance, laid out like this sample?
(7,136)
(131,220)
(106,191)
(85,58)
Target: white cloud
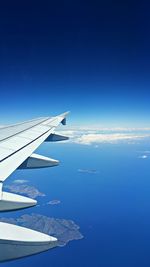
(87,136)
(89,139)
(143,157)
(105,129)
(20,181)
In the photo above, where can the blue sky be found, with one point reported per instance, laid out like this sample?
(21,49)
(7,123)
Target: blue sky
(89,57)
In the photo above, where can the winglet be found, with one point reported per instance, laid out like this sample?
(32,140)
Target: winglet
(63,115)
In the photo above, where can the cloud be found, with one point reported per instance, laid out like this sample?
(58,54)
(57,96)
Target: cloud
(143,157)
(20,181)
(88,139)
(89,136)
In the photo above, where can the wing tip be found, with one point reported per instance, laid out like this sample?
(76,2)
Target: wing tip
(64,114)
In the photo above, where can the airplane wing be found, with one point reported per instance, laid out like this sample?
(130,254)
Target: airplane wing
(17,144)
(19,141)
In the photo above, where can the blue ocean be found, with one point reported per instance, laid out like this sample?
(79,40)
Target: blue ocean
(106,191)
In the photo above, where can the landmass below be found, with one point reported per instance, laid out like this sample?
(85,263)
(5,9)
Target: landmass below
(64,230)
(25,189)
(54,202)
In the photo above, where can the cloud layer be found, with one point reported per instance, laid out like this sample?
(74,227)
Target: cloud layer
(87,136)
(96,136)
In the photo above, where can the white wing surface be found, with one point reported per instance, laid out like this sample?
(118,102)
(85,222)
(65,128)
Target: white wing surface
(19,141)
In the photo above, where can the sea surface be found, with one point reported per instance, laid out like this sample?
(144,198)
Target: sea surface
(105,190)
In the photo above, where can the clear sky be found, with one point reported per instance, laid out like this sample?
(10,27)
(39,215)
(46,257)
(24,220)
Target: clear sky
(89,57)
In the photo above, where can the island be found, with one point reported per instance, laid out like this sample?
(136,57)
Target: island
(25,189)
(54,202)
(92,171)
(64,230)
